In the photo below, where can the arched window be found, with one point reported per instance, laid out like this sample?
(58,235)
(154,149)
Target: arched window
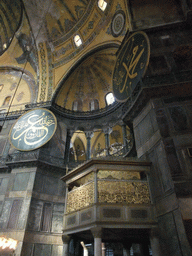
(6,101)
(77,105)
(93,105)
(77,40)
(109,98)
(102,5)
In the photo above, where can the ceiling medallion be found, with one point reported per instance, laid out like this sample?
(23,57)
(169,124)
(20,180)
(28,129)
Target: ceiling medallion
(118,23)
(33,129)
(131,65)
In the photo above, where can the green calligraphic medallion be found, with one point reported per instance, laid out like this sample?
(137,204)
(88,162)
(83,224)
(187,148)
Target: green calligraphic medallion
(131,65)
(33,129)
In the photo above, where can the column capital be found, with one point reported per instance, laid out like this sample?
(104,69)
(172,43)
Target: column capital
(97,232)
(107,130)
(88,134)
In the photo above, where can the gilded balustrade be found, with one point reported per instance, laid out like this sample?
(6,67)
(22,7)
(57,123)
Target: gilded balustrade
(127,192)
(80,197)
(113,187)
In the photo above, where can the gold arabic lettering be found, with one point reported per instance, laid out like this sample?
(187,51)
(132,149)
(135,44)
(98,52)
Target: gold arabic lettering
(130,69)
(34,128)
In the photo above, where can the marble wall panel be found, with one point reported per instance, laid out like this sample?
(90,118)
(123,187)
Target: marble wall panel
(3,185)
(5,214)
(23,214)
(21,181)
(35,215)
(42,250)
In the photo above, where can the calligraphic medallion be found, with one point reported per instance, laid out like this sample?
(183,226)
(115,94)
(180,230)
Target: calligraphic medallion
(131,65)
(33,129)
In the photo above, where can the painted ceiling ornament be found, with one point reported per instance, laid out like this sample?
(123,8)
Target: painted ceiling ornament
(10,20)
(33,129)
(27,45)
(131,65)
(118,23)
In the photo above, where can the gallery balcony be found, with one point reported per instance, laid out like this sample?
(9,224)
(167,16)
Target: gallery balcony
(108,195)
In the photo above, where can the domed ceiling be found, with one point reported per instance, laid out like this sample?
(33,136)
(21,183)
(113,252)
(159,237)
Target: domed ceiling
(90,81)
(10,18)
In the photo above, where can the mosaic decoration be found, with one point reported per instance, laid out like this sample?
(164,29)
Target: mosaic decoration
(33,129)
(80,197)
(118,23)
(20,96)
(10,19)
(29,54)
(65,18)
(50,84)
(13,86)
(123,192)
(91,80)
(43,72)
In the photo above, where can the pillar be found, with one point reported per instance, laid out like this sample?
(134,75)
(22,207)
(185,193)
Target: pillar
(89,135)
(125,142)
(107,131)
(67,147)
(65,239)
(155,245)
(97,233)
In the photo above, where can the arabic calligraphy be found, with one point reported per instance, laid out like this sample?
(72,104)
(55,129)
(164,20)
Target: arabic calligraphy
(131,65)
(33,129)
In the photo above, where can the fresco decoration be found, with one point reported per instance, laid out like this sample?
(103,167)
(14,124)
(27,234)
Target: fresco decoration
(23,82)
(44,71)
(66,17)
(29,52)
(94,22)
(50,84)
(91,80)
(10,20)
(33,129)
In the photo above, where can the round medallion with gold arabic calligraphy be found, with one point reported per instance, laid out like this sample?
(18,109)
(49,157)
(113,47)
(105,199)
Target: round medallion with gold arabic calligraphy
(33,129)
(131,65)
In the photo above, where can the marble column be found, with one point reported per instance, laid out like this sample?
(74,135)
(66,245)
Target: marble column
(107,131)
(97,233)
(67,146)
(125,142)
(89,135)
(65,239)
(154,241)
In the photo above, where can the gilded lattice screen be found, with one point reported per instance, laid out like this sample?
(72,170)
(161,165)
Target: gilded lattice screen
(123,192)
(80,197)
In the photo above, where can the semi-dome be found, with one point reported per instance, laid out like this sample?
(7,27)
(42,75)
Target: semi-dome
(89,86)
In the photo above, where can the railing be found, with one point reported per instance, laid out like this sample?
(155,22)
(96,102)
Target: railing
(80,197)
(129,192)
(109,192)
